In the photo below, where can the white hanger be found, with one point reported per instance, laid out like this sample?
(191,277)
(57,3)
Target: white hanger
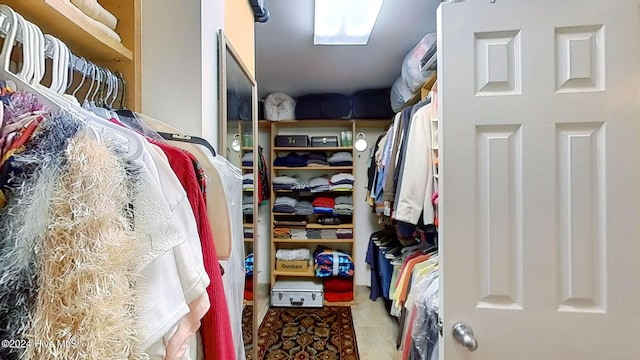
(10,25)
(133,141)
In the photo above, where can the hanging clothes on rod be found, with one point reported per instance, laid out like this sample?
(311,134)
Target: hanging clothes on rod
(98,221)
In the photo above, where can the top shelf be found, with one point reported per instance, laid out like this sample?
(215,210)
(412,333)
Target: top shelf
(373,123)
(75,30)
(313,148)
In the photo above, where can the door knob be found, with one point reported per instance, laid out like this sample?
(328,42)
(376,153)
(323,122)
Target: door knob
(464,335)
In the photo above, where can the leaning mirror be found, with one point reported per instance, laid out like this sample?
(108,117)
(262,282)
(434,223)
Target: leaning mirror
(238,128)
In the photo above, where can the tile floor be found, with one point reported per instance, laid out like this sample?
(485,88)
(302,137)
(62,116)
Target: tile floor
(376,330)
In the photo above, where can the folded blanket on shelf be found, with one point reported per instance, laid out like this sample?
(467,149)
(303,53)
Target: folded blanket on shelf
(301,185)
(299,234)
(303,207)
(291,160)
(285,204)
(319,159)
(319,189)
(320,181)
(344,234)
(281,232)
(338,297)
(288,180)
(286,200)
(338,284)
(341,156)
(293,254)
(328,234)
(247,159)
(94,10)
(339,200)
(102,28)
(341,187)
(341,163)
(282,186)
(289,222)
(332,262)
(285,209)
(342,178)
(248,265)
(323,201)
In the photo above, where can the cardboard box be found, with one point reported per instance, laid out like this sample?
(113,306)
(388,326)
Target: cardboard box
(292,265)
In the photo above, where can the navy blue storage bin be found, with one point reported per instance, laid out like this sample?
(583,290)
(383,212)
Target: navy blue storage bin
(372,104)
(323,106)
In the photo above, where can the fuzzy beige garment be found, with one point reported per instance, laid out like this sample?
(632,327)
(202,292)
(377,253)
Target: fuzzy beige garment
(85,301)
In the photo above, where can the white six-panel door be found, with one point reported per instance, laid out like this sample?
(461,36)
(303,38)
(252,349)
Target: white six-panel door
(540,178)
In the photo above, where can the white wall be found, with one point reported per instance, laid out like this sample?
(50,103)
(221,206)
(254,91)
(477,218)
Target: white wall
(180,63)
(365,220)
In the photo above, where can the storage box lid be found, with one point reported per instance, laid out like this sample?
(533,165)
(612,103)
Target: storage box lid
(306,284)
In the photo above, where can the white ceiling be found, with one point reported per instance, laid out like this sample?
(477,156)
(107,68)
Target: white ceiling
(287,60)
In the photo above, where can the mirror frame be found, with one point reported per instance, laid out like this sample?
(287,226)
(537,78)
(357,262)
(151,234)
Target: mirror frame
(225,49)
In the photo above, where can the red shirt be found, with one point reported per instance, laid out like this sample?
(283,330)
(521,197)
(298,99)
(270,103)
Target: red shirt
(216,333)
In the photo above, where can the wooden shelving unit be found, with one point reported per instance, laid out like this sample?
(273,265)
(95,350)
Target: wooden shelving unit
(313,167)
(329,127)
(314,241)
(60,19)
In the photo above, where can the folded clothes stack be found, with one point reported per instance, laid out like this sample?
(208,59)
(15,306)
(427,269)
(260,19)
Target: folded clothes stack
(291,160)
(285,204)
(342,178)
(317,159)
(341,158)
(313,234)
(299,234)
(247,204)
(319,184)
(338,289)
(303,207)
(328,234)
(342,182)
(344,205)
(332,262)
(284,182)
(248,265)
(248,233)
(344,234)
(247,159)
(301,185)
(293,254)
(281,233)
(323,205)
(248,288)
(247,181)
(95,16)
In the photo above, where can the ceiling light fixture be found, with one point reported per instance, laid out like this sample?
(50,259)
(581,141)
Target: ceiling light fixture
(344,22)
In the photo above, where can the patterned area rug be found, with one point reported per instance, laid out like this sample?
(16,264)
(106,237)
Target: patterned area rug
(302,334)
(247,334)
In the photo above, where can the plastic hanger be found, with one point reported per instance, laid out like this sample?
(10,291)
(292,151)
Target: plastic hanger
(52,50)
(189,139)
(133,141)
(10,20)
